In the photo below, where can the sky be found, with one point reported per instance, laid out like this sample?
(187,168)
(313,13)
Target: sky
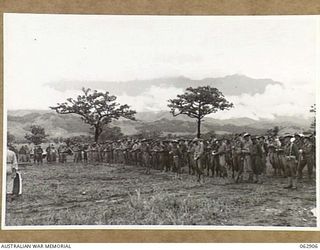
(41,49)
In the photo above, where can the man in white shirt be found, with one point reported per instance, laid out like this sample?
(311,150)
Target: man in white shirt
(11,169)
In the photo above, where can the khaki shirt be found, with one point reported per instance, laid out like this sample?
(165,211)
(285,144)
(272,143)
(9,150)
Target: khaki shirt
(12,162)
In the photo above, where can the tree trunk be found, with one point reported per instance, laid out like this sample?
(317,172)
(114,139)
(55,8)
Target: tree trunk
(199,127)
(97,132)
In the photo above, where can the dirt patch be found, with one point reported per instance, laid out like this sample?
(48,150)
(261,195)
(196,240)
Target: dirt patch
(106,195)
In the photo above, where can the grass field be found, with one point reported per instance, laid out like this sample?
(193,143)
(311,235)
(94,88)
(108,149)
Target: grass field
(77,194)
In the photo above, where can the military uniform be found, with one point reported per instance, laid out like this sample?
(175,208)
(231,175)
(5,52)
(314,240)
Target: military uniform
(38,155)
(306,158)
(222,150)
(190,155)
(198,158)
(146,156)
(77,154)
(247,164)
(22,154)
(237,157)
(11,168)
(291,162)
(176,155)
(256,159)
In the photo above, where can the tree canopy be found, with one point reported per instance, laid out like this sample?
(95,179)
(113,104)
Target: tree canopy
(37,135)
(96,109)
(199,102)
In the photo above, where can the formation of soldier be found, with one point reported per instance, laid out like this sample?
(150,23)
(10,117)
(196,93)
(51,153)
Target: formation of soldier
(243,156)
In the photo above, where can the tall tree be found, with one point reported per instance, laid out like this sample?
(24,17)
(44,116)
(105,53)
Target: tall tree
(37,135)
(96,109)
(199,102)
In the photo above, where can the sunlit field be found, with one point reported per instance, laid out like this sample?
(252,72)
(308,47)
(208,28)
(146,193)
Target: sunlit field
(103,194)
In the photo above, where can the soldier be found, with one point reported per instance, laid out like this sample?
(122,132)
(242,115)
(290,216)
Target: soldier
(299,142)
(246,151)
(60,152)
(84,153)
(146,155)
(28,152)
(176,155)
(63,153)
(136,151)
(256,159)
(165,156)
(155,152)
(209,158)
(198,157)
(264,149)
(273,158)
(77,153)
(220,158)
(11,170)
(53,153)
(215,158)
(22,154)
(108,152)
(306,154)
(291,160)
(190,155)
(94,150)
(183,149)
(38,154)
(281,157)
(238,158)
(48,151)
(228,155)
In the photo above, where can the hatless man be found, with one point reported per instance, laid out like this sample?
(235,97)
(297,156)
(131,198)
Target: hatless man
(291,161)
(11,170)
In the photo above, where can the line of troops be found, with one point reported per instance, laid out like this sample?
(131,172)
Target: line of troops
(245,157)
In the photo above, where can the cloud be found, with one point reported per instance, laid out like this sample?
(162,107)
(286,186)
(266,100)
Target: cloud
(154,99)
(277,100)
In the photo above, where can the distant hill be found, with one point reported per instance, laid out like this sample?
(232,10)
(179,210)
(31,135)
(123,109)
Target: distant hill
(229,85)
(19,122)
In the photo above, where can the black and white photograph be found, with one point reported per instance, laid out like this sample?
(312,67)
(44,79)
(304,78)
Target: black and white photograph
(128,121)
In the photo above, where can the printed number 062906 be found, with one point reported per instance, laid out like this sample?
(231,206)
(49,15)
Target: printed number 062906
(306,246)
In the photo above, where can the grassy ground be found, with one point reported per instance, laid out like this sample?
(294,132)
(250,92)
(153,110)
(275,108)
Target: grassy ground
(115,195)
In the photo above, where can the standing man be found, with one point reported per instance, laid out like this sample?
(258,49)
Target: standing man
(38,154)
(176,156)
(256,159)
(222,150)
(22,154)
(291,161)
(306,152)
(198,158)
(11,170)
(28,151)
(246,150)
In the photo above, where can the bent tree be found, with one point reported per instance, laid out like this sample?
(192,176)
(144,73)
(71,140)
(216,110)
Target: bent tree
(96,109)
(199,102)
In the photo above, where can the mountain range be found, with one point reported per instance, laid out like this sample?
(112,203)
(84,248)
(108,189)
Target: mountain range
(19,122)
(229,85)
